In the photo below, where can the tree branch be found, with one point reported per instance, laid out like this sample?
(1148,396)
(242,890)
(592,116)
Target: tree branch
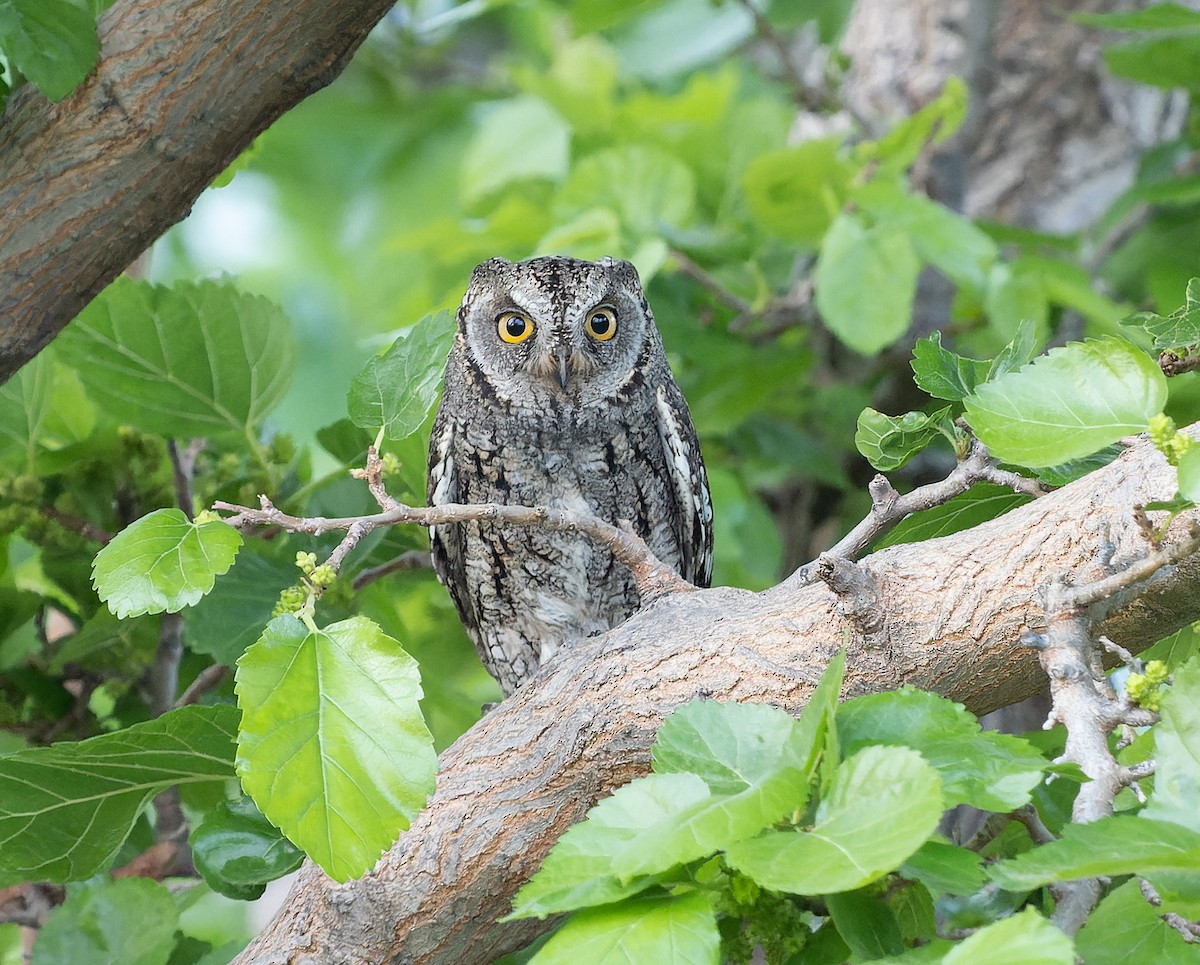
(181,89)
(953,610)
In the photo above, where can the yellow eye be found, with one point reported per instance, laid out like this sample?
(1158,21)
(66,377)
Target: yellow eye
(514,327)
(601,324)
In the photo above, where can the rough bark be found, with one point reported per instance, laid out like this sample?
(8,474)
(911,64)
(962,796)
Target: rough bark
(181,88)
(954,610)
(1052,138)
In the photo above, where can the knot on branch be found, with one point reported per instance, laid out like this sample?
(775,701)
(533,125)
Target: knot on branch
(858,595)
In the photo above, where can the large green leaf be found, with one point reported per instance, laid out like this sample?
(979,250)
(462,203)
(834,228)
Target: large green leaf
(333,747)
(945,868)
(164,561)
(866,279)
(192,360)
(992,771)
(647,188)
(24,404)
(491,163)
(796,192)
(1177,751)
(232,616)
(681,930)
(130,921)
(1025,937)
(1111,846)
(578,871)
(397,389)
(1125,921)
(883,805)
(65,810)
(1068,403)
(52,42)
(752,757)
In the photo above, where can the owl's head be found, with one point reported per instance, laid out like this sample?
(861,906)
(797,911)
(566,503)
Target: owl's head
(552,331)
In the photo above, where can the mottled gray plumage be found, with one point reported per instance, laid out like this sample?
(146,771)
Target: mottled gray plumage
(558,394)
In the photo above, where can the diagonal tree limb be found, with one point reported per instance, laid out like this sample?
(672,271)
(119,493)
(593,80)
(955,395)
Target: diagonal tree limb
(953,610)
(181,89)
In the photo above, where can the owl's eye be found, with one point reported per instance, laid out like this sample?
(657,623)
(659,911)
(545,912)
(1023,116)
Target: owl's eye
(514,327)
(601,324)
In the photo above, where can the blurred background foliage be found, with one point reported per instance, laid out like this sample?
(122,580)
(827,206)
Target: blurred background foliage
(784,243)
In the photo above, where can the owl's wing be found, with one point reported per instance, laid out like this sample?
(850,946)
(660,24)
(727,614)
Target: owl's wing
(446,542)
(693,504)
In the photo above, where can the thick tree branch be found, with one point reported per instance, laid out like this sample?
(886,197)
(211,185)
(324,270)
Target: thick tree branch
(953,610)
(181,88)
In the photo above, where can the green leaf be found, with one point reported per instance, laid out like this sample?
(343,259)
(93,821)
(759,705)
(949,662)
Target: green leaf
(945,868)
(1157,16)
(163,562)
(795,193)
(981,502)
(866,924)
(992,771)
(187,361)
(680,929)
(754,760)
(232,616)
(888,441)
(883,805)
(1124,921)
(52,42)
(130,921)
(1068,403)
(817,728)
(943,238)
(933,123)
(1180,329)
(333,747)
(730,746)
(1163,61)
(1067,472)
(865,280)
(397,389)
(24,406)
(648,188)
(237,850)
(65,810)
(520,139)
(943,374)
(1025,937)
(1111,846)
(1188,474)
(578,871)
(1177,751)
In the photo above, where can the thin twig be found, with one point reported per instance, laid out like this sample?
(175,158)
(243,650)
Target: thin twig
(77,525)
(409,560)
(205,680)
(653,577)
(1084,703)
(888,506)
(183,469)
(705,280)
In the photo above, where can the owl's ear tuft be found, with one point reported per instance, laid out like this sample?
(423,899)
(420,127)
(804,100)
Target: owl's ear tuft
(622,268)
(490,267)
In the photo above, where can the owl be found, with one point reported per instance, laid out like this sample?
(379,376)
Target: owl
(558,394)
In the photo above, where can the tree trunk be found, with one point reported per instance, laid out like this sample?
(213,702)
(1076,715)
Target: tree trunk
(181,88)
(953,608)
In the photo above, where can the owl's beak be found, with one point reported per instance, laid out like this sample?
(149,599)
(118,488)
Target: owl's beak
(562,356)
